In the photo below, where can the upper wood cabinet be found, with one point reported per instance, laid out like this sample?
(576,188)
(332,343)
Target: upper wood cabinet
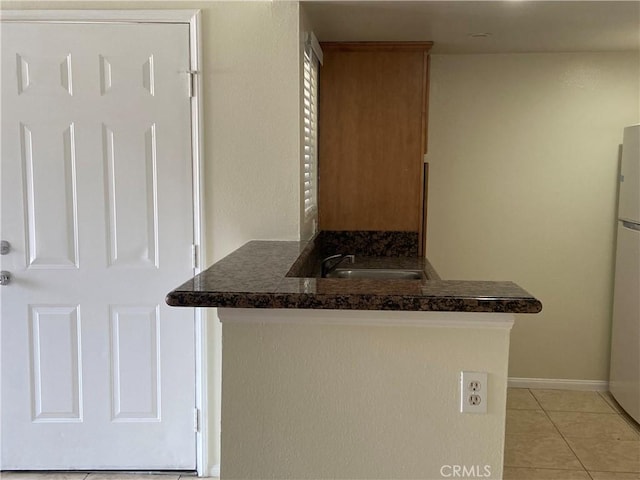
(373,136)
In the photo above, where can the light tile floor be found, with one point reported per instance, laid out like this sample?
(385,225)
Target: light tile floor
(567,435)
(550,435)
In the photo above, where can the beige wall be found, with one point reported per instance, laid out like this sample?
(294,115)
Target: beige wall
(252,149)
(251,71)
(523,153)
(326,394)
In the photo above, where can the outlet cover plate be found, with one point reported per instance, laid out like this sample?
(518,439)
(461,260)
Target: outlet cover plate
(473,392)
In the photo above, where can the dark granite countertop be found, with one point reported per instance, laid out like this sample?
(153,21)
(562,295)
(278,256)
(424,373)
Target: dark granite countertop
(259,275)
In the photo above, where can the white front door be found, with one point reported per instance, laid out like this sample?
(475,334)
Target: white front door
(97,372)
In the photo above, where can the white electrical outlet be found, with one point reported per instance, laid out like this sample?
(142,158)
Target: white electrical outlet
(473,392)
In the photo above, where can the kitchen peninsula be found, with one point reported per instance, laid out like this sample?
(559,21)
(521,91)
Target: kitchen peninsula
(355,378)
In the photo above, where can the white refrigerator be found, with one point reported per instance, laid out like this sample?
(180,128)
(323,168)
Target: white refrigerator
(624,378)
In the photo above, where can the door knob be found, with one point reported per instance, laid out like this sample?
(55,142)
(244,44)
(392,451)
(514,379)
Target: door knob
(5,247)
(5,278)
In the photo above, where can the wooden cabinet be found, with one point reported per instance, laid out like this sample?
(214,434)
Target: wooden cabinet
(373,136)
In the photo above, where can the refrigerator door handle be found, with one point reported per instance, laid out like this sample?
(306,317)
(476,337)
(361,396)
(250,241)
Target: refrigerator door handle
(631,225)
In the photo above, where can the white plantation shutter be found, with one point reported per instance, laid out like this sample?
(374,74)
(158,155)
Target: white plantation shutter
(310,161)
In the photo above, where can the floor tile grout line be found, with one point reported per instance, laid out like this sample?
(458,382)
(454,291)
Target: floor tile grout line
(612,410)
(607,400)
(624,472)
(605,436)
(609,406)
(625,416)
(535,398)
(582,411)
(576,455)
(559,433)
(546,413)
(610,436)
(565,441)
(622,413)
(555,469)
(539,407)
(600,394)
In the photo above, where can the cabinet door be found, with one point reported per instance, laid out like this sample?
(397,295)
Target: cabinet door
(372,137)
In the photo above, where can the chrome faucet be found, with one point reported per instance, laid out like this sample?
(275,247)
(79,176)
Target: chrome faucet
(340,257)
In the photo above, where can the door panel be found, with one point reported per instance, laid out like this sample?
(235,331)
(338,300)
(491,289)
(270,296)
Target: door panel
(49,166)
(55,359)
(97,372)
(132,193)
(135,364)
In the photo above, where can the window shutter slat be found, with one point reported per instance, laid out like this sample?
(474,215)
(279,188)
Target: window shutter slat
(310,121)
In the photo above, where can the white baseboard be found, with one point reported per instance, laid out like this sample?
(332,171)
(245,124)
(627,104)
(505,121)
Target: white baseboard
(558,384)
(215,471)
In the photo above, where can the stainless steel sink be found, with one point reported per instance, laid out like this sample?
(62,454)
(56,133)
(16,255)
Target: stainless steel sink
(377,273)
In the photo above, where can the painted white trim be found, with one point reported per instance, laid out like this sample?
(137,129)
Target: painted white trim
(193,18)
(472,320)
(100,16)
(312,42)
(215,471)
(197,149)
(558,384)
